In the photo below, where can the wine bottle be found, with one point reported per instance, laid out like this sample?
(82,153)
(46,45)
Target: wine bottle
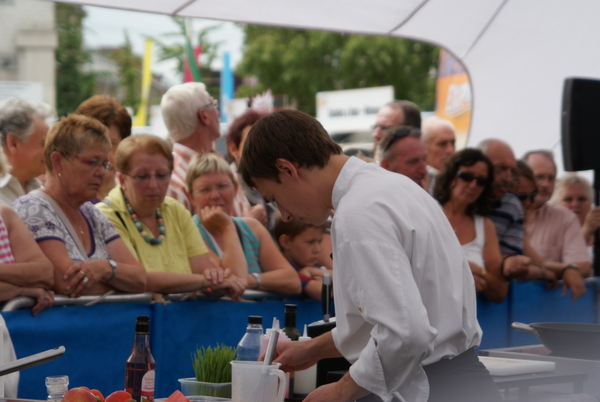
(290,323)
(140,366)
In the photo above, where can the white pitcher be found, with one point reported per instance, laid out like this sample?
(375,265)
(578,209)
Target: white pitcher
(255,382)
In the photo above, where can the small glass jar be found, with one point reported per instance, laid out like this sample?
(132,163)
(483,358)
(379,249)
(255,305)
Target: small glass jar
(57,386)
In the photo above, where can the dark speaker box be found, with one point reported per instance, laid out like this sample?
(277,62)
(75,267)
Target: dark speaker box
(581,124)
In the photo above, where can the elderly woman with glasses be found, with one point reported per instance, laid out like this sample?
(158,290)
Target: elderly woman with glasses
(86,251)
(464,190)
(159,230)
(213,188)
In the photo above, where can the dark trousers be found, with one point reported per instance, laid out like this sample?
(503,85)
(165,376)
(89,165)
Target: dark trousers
(461,379)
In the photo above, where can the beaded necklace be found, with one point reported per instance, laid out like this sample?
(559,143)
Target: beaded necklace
(161,226)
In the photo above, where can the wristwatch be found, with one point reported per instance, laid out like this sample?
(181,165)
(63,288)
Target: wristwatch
(569,266)
(113,265)
(257,277)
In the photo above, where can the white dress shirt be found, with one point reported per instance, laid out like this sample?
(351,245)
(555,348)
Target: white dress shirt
(10,188)
(404,293)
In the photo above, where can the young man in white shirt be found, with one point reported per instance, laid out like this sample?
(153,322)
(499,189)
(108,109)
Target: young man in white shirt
(404,294)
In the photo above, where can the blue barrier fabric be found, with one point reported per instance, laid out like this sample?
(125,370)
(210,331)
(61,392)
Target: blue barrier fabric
(98,339)
(492,319)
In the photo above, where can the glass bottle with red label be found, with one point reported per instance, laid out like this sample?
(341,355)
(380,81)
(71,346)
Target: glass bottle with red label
(140,366)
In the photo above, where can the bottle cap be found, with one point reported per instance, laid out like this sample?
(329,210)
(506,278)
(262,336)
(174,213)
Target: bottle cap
(305,336)
(254,319)
(290,308)
(142,324)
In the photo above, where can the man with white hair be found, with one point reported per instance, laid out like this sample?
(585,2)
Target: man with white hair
(192,118)
(23,129)
(440,140)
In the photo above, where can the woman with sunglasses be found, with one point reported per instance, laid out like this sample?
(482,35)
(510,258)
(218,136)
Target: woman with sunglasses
(86,251)
(464,190)
(159,230)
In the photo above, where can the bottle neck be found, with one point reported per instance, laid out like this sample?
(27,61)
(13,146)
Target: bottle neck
(255,326)
(290,320)
(141,342)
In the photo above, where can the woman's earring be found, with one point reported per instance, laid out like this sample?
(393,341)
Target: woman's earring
(59,175)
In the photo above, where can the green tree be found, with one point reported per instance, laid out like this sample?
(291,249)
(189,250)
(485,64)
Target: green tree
(178,52)
(130,73)
(301,63)
(73,86)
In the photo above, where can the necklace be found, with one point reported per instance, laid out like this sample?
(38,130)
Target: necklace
(460,226)
(138,225)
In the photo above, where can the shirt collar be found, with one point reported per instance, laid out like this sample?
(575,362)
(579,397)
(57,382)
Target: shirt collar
(5,180)
(352,165)
(184,152)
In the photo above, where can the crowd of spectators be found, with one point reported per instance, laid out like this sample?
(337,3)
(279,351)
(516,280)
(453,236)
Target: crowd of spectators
(130,213)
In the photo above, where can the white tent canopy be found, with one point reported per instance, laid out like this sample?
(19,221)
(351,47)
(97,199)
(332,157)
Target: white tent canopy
(517,52)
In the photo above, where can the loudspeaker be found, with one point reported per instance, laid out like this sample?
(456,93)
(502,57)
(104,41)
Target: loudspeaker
(581,124)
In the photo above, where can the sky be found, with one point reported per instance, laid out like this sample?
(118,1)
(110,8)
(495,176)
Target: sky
(106,27)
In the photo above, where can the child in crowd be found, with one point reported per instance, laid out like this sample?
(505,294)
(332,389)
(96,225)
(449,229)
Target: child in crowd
(300,243)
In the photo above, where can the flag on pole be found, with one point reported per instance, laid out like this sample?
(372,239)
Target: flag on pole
(142,113)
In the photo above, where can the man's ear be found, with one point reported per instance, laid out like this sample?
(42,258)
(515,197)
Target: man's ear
(384,163)
(202,116)
(286,167)
(284,241)
(11,143)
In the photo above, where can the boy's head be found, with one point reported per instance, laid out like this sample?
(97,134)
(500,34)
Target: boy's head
(283,157)
(287,134)
(299,242)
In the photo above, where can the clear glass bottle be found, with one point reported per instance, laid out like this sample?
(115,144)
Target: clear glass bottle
(140,366)
(290,322)
(249,346)
(57,386)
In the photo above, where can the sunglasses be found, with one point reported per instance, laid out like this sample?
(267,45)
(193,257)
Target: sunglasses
(398,134)
(469,177)
(522,196)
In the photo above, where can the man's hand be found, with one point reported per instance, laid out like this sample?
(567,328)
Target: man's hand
(516,267)
(573,280)
(591,223)
(257,212)
(294,356)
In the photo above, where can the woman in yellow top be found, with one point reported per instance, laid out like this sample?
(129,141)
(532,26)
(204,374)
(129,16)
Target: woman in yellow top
(158,230)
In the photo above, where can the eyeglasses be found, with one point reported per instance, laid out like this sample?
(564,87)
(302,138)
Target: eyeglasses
(469,177)
(145,178)
(208,190)
(522,196)
(380,127)
(214,103)
(95,163)
(397,135)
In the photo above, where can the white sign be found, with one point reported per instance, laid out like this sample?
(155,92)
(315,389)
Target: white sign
(29,90)
(353,109)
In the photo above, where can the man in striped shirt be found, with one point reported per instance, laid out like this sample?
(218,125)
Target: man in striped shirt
(192,118)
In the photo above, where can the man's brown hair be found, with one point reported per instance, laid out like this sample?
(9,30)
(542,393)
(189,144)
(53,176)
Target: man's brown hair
(287,134)
(109,111)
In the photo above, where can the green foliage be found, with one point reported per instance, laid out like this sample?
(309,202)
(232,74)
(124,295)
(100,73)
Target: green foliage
(213,364)
(301,63)
(73,86)
(130,73)
(178,52)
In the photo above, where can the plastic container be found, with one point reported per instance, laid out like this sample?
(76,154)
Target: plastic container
(305,381)
(248,349)
(191,387)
